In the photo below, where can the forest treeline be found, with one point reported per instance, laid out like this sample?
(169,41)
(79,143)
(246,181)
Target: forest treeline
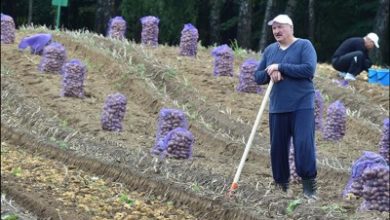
(325,23)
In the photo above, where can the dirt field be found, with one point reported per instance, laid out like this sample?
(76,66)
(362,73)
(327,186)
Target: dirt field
(74,192)
(220,119)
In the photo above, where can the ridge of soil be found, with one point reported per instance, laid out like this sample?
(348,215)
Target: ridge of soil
(202,207)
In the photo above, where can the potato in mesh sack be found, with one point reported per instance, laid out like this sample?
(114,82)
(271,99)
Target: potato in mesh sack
(178,144)
(117,28)
(73,75)
(294,177)
(189,40)
(114,110)
(168,120)
(336,120)
(150,30)
(53,57)
(375,181)
(7,29)
(247,77)
(355,183)
(318,110)
(223,63)
(384,143)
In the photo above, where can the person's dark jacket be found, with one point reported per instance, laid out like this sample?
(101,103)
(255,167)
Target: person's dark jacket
(353,44)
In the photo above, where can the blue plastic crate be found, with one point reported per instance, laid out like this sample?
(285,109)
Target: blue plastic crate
(383,76)
(372,76)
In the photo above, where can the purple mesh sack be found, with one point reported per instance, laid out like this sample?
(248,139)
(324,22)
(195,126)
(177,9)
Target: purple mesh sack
(114,110)
(223,63)
(340,82)
(36,43)
(376,188)
(385,141)
(53,57)
(117,28)
(177,144)
(318,109)
(73,75)
(189,40)
(335,122)
(294,178)
(168,120)
(355,182)
(7,29)
(247,79)
(149,34)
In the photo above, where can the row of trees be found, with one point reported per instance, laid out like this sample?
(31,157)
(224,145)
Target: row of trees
(326,23)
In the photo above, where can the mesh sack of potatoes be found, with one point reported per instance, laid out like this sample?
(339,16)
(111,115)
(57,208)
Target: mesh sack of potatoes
(294,178)
(247,79)
(53,57)
(178,144)
(36,42)
(318,110)
(189,40)
(168,120)
(73,75)
(149,33)
(375,192)
(223,60)
(117,28)
(7,29)
(114,110)
(385,141)
(336,120)
(355,183)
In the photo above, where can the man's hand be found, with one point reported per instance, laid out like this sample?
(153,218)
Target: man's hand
(276,76)
(271,68)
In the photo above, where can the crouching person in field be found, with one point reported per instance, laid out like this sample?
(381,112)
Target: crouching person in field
(290,63)
(351,57)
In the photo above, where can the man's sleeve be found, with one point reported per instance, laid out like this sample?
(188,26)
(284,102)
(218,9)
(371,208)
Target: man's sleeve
(306,68)
(261,77)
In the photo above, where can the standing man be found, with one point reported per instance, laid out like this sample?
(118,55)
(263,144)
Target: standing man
(351,57)
(290,63)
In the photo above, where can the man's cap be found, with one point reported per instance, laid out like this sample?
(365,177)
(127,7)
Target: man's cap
(282,19)
(374,38)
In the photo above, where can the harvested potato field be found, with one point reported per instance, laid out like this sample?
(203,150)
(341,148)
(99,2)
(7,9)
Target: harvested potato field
(55,152)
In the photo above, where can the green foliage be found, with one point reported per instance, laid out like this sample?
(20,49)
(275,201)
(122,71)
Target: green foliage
(43,12)
(79,15)
(63,145)
(17,171)
(125,199)
(170,73)
(3,151)
(196,187)
(292,205)
(334,208)
(60,143)
(232,22)
(64,123)
(5,70)
(173,14)
(238,51)
(10,217)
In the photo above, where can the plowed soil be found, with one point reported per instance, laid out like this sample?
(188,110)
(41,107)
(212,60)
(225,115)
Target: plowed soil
(220,119)
(74,193)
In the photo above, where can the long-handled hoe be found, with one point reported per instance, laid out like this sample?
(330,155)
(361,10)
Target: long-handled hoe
(234,185)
